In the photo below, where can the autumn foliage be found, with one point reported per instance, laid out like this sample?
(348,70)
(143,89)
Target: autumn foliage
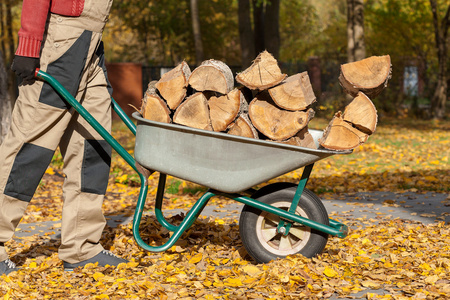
(409,260)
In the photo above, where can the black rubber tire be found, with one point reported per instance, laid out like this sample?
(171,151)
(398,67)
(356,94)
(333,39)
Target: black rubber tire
(253,222)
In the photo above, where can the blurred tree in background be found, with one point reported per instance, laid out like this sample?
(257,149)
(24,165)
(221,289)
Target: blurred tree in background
(161,33)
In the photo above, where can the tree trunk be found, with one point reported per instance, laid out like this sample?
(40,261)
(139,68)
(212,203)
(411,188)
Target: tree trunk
(2,33)
(258,21)
(356,49)
(6,101)
(438,102)
(199,56)
(246,35)
(271,27)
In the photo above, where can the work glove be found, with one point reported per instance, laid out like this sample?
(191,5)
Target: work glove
(25,67)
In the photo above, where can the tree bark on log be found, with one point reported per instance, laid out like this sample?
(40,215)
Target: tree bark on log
(212,75)
(264,73)
(369,76)
(294,93)
(194,112)
(173,85)
(275,123)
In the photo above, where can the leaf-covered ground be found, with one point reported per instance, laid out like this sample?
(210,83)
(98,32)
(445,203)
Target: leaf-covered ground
(406,260)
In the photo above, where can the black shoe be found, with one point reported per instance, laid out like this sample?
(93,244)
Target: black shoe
(103,259)
(7,266)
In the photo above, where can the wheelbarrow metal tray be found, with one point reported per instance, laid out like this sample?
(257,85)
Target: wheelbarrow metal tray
(220,161)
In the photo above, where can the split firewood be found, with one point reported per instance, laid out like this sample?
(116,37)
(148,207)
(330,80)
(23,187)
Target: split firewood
(173,85)
(153,107)
(193,112)
(243,127)
(341,135)
(369,75)
(294,93)
(264,73)
(275,123)
(302,139)
(212,75)
(362,114)
(224,109)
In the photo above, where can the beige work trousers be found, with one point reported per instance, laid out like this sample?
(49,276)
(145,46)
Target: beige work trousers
(72,52)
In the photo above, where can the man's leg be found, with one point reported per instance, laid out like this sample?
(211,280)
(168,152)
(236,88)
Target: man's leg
(87,158)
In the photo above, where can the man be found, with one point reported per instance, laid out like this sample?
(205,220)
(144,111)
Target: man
(63,38)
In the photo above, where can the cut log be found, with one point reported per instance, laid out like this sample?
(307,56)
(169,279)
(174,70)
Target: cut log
(275,123)
(264,73)
(294,93)
(302,139)
(153,107)
(243,127)
(369,76)
(223,110)
(194,112)
(362,114)
(341,135)
(173,85)
(212,75)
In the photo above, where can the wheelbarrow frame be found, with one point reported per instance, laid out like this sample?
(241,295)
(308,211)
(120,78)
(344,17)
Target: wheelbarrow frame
(288,217)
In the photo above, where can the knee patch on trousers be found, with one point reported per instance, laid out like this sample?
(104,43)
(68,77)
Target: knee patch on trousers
(26,173)
(95,168)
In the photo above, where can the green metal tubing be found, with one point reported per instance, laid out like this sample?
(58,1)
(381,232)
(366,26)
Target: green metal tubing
(123,116)
(158,204)
(187,222)
(339,232)
(298,194)
(90,119)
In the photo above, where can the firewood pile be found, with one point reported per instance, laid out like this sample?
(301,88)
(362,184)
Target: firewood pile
(268,105)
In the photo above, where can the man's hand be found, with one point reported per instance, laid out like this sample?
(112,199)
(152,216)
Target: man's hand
(24,67)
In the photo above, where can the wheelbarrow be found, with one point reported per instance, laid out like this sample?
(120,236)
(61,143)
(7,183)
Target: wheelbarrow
(277,220)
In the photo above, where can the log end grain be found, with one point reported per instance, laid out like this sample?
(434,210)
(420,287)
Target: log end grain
(194,112)
(173,85)
(243,127)
(264,73)
(212,75)
(294,93)
(361,112)
(224,109)
(275,123)
(341,135)
(155,109)
(369,75)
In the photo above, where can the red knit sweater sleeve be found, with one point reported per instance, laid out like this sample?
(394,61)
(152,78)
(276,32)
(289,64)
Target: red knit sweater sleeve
(34,16)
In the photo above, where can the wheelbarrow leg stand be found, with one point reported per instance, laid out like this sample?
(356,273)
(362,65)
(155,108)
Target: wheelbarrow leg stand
(177,230)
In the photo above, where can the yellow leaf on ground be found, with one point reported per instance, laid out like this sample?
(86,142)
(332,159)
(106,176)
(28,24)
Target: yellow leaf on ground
(329,272)
(196,258)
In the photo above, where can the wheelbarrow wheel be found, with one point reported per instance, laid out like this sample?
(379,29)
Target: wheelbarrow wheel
(258,229)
